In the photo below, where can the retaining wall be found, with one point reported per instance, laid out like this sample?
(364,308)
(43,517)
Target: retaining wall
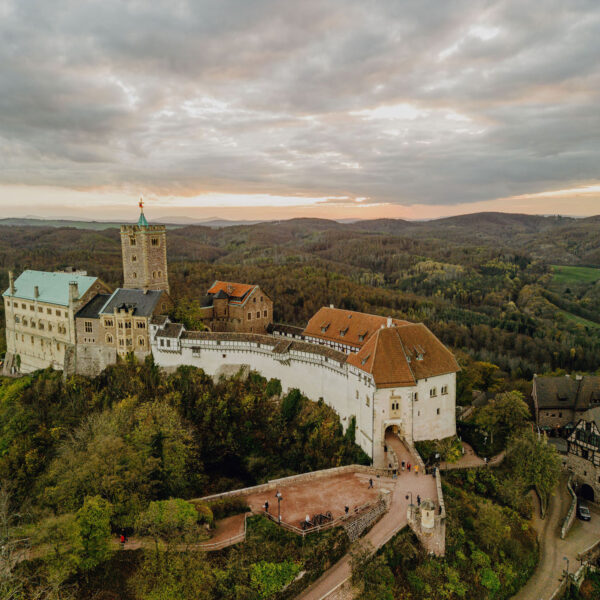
(570,518)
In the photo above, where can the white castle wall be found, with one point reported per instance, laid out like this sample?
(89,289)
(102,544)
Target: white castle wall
(346,389)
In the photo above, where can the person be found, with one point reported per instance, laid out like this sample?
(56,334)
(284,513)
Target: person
(346,509)
(403,465)
(418,500)
(408,467)
(266,506)
(416,469)
(123,540)
(370,483)
(307,519)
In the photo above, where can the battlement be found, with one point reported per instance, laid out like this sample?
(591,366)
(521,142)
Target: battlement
(137,228)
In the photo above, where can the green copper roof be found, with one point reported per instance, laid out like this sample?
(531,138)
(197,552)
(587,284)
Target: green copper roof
(142,220)
(53,287)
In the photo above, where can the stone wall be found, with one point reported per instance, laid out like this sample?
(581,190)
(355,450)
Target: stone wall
(570,518)
(355,527)
(90,360)
(144,262)
(584,471)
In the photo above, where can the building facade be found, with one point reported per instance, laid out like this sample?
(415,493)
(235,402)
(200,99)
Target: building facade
(403,379)
(144,250)
(559,402)
(583,459)
(116,324)
(40,310)
(236,307)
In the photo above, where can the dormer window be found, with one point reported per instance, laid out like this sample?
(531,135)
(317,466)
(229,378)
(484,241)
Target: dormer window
(324,327)
(365,359)
(343,332)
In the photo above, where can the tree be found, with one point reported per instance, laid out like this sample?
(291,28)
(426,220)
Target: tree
(93,521)
(269,578)
(535,462)
(504,414)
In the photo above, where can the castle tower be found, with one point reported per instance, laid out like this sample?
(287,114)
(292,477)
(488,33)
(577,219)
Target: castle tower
(144,249)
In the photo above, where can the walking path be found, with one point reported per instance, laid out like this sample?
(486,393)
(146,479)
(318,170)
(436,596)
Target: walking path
(386,528)
(551,566)
(470,460)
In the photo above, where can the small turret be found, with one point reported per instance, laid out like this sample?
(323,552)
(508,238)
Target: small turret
(73,292)
(11,283)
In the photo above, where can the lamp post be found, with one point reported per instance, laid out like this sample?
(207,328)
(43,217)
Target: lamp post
(279,498)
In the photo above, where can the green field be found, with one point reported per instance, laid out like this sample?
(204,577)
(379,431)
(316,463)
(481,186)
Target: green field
(570,275)
(580,320)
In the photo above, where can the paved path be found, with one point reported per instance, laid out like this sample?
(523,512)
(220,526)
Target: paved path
(548,573)
(469,459)
(385,529)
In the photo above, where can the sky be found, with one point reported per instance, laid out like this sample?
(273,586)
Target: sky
(259,109)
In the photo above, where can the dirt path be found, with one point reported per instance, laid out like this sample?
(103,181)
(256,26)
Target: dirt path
(225,530)
(548,574)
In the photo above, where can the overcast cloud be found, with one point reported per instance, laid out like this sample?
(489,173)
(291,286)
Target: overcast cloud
(426,102)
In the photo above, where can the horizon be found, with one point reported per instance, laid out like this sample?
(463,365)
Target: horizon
(321,109)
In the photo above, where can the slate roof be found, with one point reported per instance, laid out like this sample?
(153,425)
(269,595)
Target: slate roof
(400,356)
(53,287)
(346,327)
(91,310)
(566,392)
(158,320)
(170,330)
(143,302)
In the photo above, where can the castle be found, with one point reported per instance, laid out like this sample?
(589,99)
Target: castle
(376,372)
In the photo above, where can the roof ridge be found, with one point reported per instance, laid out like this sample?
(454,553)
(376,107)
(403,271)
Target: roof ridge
(405,356)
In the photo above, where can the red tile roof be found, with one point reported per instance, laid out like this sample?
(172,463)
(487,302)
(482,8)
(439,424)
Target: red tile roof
(400,356)
(232,289)
(345,326)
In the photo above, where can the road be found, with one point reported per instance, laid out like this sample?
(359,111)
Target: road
(548,573)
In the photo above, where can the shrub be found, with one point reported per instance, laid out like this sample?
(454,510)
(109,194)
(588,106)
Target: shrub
(227,507)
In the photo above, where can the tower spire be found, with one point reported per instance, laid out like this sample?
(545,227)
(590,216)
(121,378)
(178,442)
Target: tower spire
(142,220)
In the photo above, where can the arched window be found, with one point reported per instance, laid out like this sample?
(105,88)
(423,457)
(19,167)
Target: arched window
(141,341)
(109,338)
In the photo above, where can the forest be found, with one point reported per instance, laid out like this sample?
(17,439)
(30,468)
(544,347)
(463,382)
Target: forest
(83,459)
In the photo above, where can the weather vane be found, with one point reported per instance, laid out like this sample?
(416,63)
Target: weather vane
(141,204)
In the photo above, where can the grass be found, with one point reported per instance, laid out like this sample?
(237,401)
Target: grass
(579,320)
(570,275)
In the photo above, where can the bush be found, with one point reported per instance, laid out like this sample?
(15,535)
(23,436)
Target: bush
(227,507)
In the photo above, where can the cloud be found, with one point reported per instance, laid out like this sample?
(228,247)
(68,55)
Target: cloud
(407,103)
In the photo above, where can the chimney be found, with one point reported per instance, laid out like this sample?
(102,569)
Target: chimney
(73,291)
(389,321)
(36,291)
(11,283)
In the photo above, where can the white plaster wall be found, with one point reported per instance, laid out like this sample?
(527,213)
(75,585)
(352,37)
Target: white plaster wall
(310,373)
(346,389)
(428,425)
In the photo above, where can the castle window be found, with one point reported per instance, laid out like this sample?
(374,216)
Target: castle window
(367,401)
(49,327)
(108,323)
(109,338)
(264,313)
(88,326)
(23,306)
(41,326)
(258,315)
(32,343)
(127,324)
(17,320)
(249,316)
(32,324)
(416,396)
(58,313)
(141,325)
(438,411)
(168,343)
(254,300)
(133,258)
(128,342)
(444,390)
(132,241)
(140,341)
(134,275)
(153,274)
(121,342)
(154,241)
(40,309)
(433,392)
(31,307)
(162,342)
(49,311)
(120,324)
(261,298)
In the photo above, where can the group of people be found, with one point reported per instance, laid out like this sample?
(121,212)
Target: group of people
(408,466)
